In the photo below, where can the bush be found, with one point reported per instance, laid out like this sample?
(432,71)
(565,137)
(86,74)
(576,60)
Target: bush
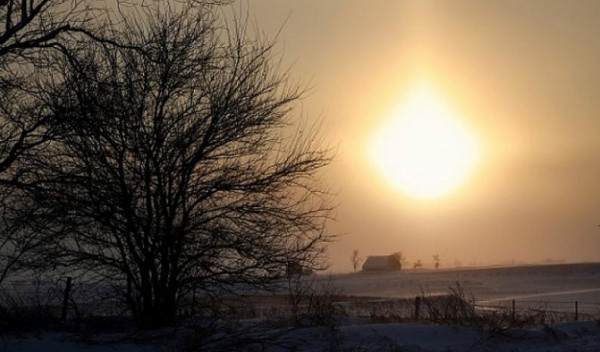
(456,309)
(314,304)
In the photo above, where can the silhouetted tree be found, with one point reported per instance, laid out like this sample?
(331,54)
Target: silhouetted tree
(33,24)
(25,131)
(28,30)
(177,171)
(355,258)
(400,260)
(417,264)
(31,33)
(20,239)
(436,261)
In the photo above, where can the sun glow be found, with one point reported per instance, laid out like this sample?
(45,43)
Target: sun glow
(423,150)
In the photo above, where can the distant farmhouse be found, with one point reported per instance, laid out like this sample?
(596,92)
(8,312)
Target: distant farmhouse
(382,263)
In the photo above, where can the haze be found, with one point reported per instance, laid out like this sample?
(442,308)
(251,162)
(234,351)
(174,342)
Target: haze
(522,76)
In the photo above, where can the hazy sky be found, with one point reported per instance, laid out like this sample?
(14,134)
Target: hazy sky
(522,76)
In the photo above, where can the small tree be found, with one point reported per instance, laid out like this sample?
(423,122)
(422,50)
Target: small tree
(400,260)
(417,264)
(436,261)
(356,259)
(175,173)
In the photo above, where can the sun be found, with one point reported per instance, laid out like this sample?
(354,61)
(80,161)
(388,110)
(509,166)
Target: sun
(423,149)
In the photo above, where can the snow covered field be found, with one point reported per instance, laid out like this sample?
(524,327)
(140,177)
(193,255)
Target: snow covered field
(567,337)
(558,286)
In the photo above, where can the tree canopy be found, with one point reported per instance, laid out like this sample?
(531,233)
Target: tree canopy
(174,168)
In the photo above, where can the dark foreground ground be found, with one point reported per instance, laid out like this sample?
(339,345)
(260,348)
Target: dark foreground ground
(376,312)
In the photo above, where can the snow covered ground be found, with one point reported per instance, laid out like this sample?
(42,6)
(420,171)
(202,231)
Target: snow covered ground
(568,337)
(64,343)
(557,285)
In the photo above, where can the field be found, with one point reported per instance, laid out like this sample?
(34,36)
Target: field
(560,286)
(376,312)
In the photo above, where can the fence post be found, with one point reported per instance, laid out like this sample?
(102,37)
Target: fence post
(576,311)
(66,299)
(513,310)
(417,307)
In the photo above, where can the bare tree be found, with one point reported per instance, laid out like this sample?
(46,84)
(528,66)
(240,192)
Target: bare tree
(20,240)
(418,264)
(400,260)
(31,24)
(436,261)
(31,31)
(27,29)
(177,171)
(355,258)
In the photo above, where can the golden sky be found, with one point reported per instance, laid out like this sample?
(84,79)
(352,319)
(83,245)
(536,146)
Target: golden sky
(523,77)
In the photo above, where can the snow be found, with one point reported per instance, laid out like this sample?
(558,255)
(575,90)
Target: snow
(556,285)
(566,337)
(55,342)
(544,283)
(576,336)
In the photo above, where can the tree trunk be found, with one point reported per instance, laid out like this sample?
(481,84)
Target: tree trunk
(160,311)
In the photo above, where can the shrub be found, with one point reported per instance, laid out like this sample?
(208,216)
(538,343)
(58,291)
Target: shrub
(456,309)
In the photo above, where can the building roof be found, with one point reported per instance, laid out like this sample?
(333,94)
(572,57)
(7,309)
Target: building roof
(380,262)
